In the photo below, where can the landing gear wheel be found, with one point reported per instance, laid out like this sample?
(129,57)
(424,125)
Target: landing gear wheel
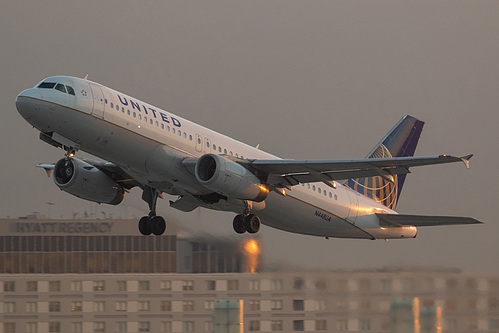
(157,225)
(252,223)
(238,224)
(144,226)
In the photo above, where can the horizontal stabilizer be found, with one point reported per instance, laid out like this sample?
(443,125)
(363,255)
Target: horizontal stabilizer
(397,220)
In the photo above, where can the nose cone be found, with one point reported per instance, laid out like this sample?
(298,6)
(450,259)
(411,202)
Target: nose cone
(28,103)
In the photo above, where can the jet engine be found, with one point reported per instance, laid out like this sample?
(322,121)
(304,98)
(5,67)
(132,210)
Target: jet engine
(86,181)
(229,178)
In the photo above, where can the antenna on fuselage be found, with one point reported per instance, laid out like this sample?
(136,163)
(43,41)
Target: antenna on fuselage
(86,77)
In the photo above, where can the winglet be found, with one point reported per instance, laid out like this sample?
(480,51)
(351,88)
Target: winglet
(466,160)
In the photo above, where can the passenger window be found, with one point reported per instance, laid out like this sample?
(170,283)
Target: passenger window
(325,193)
(47,85)
(162,126)
(313,187)
(128,112)
(219,149)
(185,135)
(145,119)
(157,124)
(168,128)
(330,195)
(60,87)
(71,91)
(112,105)
(134,115)
(118,108)
(319,190)
(179,133)
(173,130)
(225,151)
(150,121)
(214,147)
(190,137)
(207,144)
(199,141)
(140,117)
(335,197)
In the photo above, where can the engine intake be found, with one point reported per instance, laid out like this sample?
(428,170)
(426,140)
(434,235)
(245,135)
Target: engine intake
(229,178)
(85,181)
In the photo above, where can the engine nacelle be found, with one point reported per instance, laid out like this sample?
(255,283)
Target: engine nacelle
(86,181)
(229,178)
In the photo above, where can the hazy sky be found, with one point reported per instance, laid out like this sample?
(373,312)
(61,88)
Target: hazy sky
(304,79)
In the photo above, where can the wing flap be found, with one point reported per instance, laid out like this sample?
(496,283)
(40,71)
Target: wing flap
(397,220)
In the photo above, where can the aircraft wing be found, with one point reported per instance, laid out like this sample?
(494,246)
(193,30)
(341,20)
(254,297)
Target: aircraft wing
(285,173)
(397,220)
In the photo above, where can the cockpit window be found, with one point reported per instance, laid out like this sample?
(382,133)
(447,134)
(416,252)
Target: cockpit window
(70,90)
(57,86)
(60,87)
(48,85)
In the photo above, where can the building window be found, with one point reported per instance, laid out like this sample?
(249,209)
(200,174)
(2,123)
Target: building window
(122,326)
(76,327)
(209,305)
(365,285)
(32,286)
(9,327)
(121,306)
(54,285)
(188,305)
(54,326)
(99,306)
(342,325)
(320,325)
(276,325)
(188,326)
(210,285)
(188,285)
(320,284)
(75,286)
(144,306)
(32,327)
(54,306)
(276,305)
(233,285)
(254,285)
(9,307)
(143,285)
(254,325)
(298,305)
(98,285)
(298,283)
(276,285)
(121,285)
(31,307)
(165,285)
(386,285)
(298,325)
(99,326)
(254,305)
(364,325)
(9,286)
(166,305)
(76,306)
(144,326)
(166,326)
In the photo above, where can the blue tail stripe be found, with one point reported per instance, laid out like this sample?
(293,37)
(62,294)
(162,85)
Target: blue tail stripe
(401,141)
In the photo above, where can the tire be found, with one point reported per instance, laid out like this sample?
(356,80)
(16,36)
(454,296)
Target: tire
(238,224)
(144,226)
(252,223)
(157,225)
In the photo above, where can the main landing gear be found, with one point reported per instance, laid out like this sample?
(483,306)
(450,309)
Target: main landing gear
(250,223)
(151,223)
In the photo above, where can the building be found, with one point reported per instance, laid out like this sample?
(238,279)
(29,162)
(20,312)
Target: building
(123,290)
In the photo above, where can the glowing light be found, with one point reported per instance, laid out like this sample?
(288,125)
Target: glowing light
(252,250)
(415,309)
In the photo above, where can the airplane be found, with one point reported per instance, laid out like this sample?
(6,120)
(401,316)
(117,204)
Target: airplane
(159,152)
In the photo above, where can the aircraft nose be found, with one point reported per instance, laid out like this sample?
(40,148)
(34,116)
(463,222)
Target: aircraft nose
(27,103)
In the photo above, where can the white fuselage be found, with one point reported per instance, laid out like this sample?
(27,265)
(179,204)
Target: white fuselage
(150,145)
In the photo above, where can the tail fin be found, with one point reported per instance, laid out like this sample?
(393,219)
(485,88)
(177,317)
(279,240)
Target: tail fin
(401,141)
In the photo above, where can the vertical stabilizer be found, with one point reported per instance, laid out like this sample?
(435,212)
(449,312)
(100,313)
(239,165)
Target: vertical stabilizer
(401,141)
